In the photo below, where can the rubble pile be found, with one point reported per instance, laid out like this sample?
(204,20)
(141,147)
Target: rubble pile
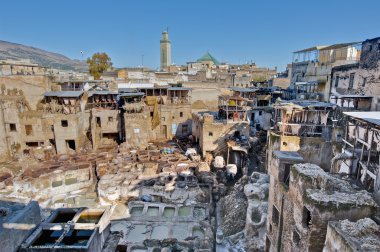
(233,211)
(244,214)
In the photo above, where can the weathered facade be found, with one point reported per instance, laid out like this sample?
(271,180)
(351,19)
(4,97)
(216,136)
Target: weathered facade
(356,86)
(314,65)
(212,130)
(105,118)
(344,235)
(308,127)
(303,199)
(158,113)
(360,157)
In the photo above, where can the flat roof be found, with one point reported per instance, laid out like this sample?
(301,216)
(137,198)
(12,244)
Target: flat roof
(351,95)
(100,92)
(135,85)
(232,97)
(82,80)
(370,116)
(179,88)
(301,104)
(306,83)
(288,155)
(131,94)
(128,90)
(314,48)
(63,93)
(341,45)
(157,87)
(241,89)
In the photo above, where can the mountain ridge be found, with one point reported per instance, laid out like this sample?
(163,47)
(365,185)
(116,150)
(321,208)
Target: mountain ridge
(16,51)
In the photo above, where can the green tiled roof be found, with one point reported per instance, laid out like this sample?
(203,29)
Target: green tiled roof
(208,57)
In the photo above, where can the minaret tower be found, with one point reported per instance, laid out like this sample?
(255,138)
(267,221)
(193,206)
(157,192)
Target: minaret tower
(165,51)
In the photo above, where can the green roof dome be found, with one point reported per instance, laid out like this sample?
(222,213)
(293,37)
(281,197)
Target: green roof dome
(208,57)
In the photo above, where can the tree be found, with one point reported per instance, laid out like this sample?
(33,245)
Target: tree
(98,63)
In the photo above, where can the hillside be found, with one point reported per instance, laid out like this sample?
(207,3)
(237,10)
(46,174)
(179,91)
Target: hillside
(15,51)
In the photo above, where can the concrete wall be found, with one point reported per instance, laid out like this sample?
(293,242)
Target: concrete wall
(32,86)
(54,185)
(315,150)
(207,92)
(78,125)
(10,126)
(109,124)
(176,116)
(137,128)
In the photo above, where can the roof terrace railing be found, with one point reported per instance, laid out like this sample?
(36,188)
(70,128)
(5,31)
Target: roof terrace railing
(178,100)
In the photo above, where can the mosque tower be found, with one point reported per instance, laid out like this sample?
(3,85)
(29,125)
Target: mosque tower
(165,51)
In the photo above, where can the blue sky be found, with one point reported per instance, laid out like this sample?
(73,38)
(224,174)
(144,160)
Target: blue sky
(266,32)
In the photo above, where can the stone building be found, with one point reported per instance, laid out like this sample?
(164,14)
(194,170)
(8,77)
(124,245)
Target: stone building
(303,199)
(25,67)
(69,119)
(211,130)
(156,112)
(136,75)
(308,127)
(175,114)
(135,122)
(343,92)
(282,79)
(356,86)
(260,102)
(12,103)
(60,124)
(314,64)
(369,75)
(105,118)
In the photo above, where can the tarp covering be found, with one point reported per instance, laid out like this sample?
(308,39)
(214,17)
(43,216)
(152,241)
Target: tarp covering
(156,117)
(264,97)
(151,100)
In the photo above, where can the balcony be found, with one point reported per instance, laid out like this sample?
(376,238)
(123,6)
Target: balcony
(296,129)
(137,107)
